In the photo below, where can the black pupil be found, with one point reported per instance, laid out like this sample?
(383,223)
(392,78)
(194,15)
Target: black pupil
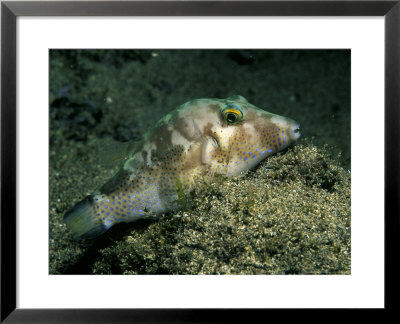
(231,118)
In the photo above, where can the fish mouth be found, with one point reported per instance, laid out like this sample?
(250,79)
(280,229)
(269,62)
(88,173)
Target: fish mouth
(295,130)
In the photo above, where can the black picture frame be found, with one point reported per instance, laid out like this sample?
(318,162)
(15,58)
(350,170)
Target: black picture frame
(10,10)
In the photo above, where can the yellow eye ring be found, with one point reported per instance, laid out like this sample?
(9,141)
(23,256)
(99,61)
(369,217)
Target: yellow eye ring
(232,115)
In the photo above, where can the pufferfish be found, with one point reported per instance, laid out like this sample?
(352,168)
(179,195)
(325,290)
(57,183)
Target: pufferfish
(201,138)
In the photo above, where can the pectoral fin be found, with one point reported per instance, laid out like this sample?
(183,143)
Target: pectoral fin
(209,147)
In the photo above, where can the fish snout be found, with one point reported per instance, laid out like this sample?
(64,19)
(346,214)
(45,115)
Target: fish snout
(295,131)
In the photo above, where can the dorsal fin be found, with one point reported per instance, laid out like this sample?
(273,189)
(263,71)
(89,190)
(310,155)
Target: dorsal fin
(112,153)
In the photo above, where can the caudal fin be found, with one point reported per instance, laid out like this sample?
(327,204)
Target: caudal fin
(81,222)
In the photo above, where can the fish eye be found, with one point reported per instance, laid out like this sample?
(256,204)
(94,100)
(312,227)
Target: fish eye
(232,114)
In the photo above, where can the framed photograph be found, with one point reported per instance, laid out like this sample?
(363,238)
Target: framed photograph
(183,156)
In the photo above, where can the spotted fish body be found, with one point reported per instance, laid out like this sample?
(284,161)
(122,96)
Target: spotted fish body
(201,138)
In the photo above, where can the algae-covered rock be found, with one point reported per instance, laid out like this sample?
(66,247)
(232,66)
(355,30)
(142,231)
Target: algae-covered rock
(290,216)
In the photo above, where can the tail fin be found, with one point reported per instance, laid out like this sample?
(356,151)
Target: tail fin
(81,222)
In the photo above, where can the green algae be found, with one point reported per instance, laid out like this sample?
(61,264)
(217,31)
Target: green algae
(289,216)
(182,198)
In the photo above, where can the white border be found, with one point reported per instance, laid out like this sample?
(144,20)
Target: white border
(363,288)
